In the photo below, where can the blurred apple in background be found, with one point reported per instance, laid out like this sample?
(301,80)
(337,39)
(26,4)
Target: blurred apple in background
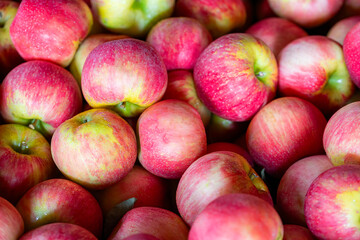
(263,10)
(351,48)
(126,75)
(296,232)
(50,30)
(39,94)
(11,222)
(339,30)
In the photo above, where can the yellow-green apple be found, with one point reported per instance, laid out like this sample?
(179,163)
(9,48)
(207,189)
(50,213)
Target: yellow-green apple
(131,17)
(351,49)
(96,148)
(179,41)
(296,232)
(181,86)
(141,236)
(9,57)
(237,216)
(126,75)
(214,175)
(294,184)
(59,231)
(25,160)
(339,30)
(11,222)
(313,68)
(219,17)
(341,136)
(235,76)
(307,14)
(331,204)
(158,222)
(276,32)
(89,44)
(284,131)
(171,136)
(50,30)
(60,200)
(39,94)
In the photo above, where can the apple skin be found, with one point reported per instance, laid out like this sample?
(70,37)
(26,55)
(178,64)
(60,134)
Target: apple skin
(214,175)
(59,231)
(219,17)
(351,51)
(307,14)
(276,32)
(141,236)
(339,30)
(95,148)
(11,222)
(35,36)
(237,216)
(284,131)
(161,223)
(126,75)
(179,41)
(263,10)
(40,94)
(331,204)
(296,232)
(235,76)
(171,136)
(294,184)
(60,200)
(25,160)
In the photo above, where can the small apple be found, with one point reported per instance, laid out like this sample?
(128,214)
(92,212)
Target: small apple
(351,49)
(11,222)
(296,232)
(339,30)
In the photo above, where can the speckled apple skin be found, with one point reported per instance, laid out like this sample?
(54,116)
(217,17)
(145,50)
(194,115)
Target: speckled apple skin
(351,50)
(296,232)
(11,222)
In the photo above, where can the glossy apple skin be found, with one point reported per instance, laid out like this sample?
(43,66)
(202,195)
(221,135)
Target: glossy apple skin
(331,204)
(95,148)
(284,131)
(294,184)
(307,14)
(214,175)
(171,136)
(276,32)
(39,93)
(296,232)
(124,75)
(25,160)
(237,216)
(60,200)
(160,223)
(339,30)
(11,222)
(59,231)
(50,31)
(235,76)
(351,50)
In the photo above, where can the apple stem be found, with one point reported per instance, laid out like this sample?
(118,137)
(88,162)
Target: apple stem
(23,146)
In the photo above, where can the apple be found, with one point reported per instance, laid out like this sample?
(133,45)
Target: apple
(284,131)
(158,222)
(351,52)
(141,236)
(313,68)
(60,200)
(219,17)
(276,32)
(126,75)
(296,232)
(11,222)
(95,148)
(237,216)
(307,14)
(25,160)
(350,8)
(339,30)
(39,94)
(214,175)
(235,76)
(331,203)
(59,231)
(50,30)
(179,41)
(263,10)
(294,184)
(131,17)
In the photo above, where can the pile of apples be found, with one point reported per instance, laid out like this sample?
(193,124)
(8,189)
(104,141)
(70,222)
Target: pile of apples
(187,119)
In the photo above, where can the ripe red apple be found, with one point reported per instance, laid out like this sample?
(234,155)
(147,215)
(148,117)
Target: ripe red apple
(126,75)
(235,76)
(339,30)
(50,30)
(25,160)
(141,236)
(214,175)
(296,232)
(95,148)
(351,50)
(284,131)
(237,216)
(60,200)
(331,204)
(11,222)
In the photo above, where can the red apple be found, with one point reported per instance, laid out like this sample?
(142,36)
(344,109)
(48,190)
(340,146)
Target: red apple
(296,232)
(50,30)
(339,30)
(141,236)
(11,222)
(263,10)
(351,48)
